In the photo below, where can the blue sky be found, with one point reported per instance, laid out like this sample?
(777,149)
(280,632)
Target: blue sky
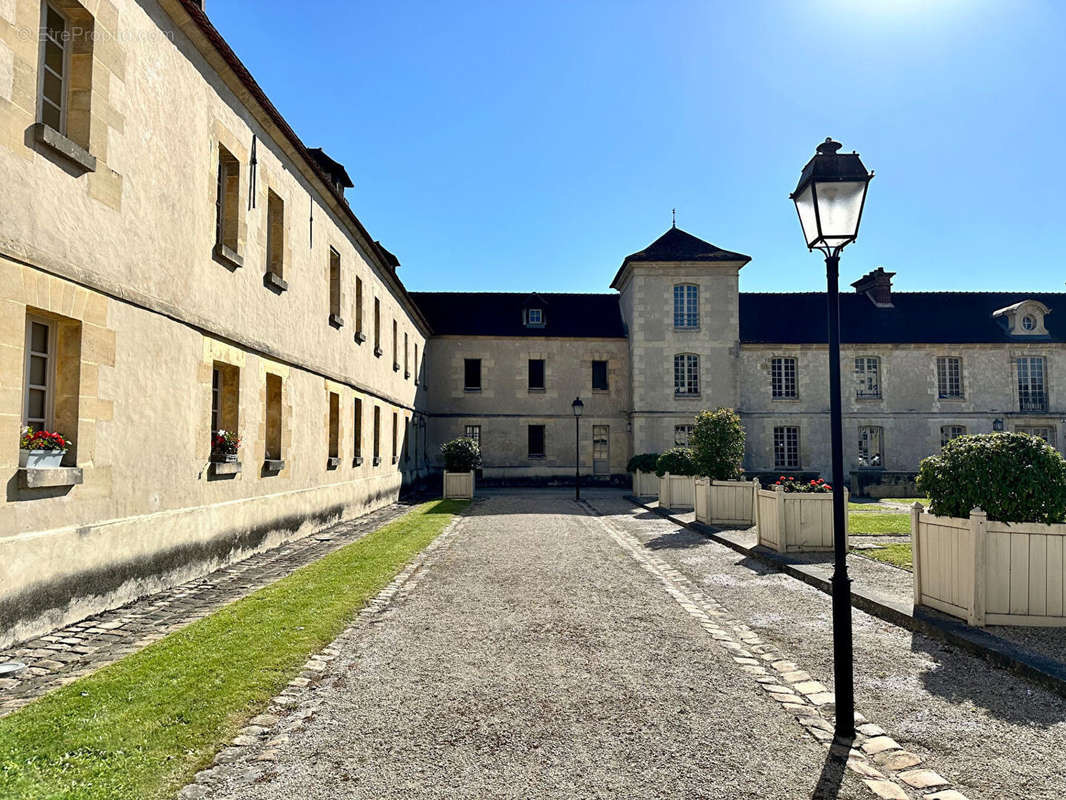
(532,145)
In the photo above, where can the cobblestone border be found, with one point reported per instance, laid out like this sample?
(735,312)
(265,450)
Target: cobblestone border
(887,770)
(249,756)
(79,649)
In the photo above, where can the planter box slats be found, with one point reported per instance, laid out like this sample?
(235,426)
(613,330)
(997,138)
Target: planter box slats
(727,504)
(677,491)
(645,484)
(459,485)
(791,522)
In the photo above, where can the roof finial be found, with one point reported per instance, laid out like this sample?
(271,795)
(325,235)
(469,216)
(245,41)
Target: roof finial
(673,221)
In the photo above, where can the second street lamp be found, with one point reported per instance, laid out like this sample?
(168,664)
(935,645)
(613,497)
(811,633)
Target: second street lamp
(578,407)
(829,199)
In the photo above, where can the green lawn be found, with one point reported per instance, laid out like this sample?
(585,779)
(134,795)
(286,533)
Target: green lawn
(880,503)
(869,523)
(898,555)
(143,726)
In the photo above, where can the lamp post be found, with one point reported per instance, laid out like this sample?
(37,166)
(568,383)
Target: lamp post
(578,407)
(829,199)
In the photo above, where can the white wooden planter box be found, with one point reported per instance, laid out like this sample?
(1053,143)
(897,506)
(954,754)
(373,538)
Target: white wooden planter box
(645,484)
(726,504)
(677,491)
(795,521)
(987,572)
(459,485)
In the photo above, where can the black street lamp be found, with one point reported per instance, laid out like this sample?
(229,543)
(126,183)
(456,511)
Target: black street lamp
(578,407)
(829,200)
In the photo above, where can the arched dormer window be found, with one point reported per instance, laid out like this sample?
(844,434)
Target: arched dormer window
(686,306)
(1025,318)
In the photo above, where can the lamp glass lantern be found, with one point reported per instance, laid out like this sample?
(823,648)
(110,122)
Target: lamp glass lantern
(577,406)
(830,196)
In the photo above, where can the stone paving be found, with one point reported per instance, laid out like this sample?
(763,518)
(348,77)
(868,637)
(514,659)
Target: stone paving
(76,650)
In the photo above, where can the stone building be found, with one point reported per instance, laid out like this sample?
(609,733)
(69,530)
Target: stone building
(174,261)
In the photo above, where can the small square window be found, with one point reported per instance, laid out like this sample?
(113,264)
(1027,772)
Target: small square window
(534,317)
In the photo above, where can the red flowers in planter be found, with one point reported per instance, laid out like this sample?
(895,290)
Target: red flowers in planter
(790,484)
(225,443)
(41,440)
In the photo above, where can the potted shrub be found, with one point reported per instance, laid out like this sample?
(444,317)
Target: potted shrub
(645,482)
(676,469)
(461,457)
(796,515)
(41,449)
(224,446)
(722,497)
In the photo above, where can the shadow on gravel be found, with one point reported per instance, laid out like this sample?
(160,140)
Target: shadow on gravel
(829,782)
(680,539)
(961,677)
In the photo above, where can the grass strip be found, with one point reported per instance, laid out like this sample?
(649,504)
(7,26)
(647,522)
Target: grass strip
(140,728)
(898,555)
(872,524)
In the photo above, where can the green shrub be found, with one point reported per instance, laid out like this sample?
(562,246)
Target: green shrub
(718,444)
(643,462)
(461,455)
(676,461)
(1013,477)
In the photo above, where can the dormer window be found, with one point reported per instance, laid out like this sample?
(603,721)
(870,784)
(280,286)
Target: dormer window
(1025,318)
(533,317)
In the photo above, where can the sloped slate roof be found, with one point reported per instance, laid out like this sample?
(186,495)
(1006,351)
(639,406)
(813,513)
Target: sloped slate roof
(587,316)
(679,245)
(916,317)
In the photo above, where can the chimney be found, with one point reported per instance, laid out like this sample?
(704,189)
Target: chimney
(876,285)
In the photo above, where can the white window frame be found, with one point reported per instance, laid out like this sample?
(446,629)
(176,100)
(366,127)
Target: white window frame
(865,388)
(683,435)
(535,317)
(944,378)
(868,434)
(686,375)
(473,432)
(216,399)
(786,432)
(1032,388)
(65,77)
(686,306)
(949,432)
(784,382)
(1038,431)
(49,372)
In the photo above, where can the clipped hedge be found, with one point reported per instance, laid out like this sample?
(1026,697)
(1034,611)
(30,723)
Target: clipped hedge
(677,461)
(461,455)
(642,462)
(1013,477)
(718,444)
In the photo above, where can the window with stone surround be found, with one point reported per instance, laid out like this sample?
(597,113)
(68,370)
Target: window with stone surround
(273,417)
(536,374)
(686,375)
(227,206)
(418,366)
(473,432)
(359,335)
(949,377)
(1045,432)
(535,440)
(275,236)
(472,374)
(406,357)
(39,386)
(871,446)
(783,378)
(786,447)
(686,306)
(357,428)
(1032,386)
(377,327)
(335,289)
(377,435)
(66,80)
(599,376)
(334,428)
(683,435)
(52,377)
(867,377)
(395,435)
(949,432)
(225,397)
(406,439)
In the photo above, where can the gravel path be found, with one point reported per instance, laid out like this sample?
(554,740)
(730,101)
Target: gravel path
(538,659)
(995,735)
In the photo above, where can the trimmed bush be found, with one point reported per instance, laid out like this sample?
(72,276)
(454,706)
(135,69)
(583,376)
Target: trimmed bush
(644,462)
(1013,477)
(676,461)
(461,455)
(718,444)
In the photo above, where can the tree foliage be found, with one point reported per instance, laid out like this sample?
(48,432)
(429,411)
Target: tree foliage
(642,462)
(461,455)
(718,444)
(676,461)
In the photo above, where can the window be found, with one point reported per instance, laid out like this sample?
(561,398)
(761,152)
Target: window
(227,205)
(786,447)
(473,432)
(867,377)
(66,84)
(472,374)
(377,435)
(949,432)
(406,362)
(55,69)
(334,428)
(357,428)
(948,377)
(686,306)
(871,446)
(536,441)
(1029,322)
(395,434)
(273,417)
(536,374)
(601,446)
(406,437)
(686,374)
(1039,431)
(535,318)
(335,288)
(39,400)
(275,235)
(783,377)
(395,348)
(225,397)
(359,337)
(1032,394)
(418,366)
(377,327)
(682,435)
(599,376)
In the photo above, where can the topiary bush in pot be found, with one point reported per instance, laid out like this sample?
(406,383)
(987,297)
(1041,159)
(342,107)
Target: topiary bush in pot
(643,462)
(718,444)
(1013,477)
(461,455)
(676,461)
